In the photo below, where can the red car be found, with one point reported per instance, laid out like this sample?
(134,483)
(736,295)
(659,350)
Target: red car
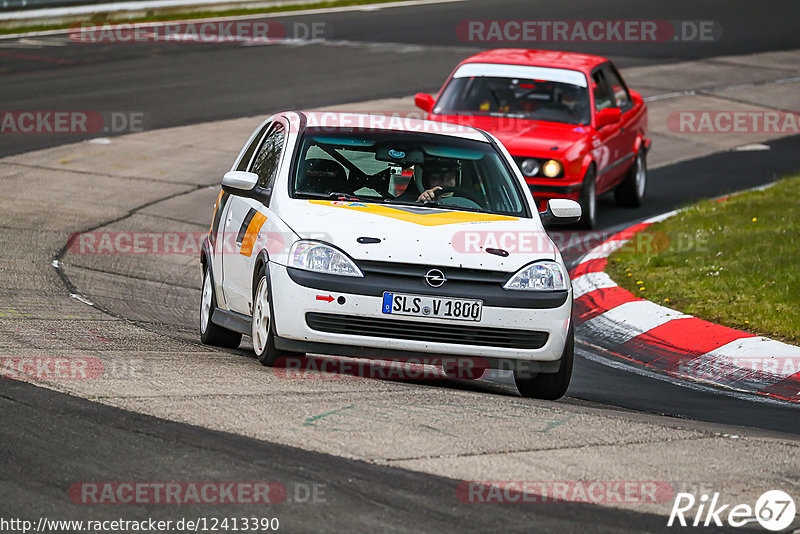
(569,121)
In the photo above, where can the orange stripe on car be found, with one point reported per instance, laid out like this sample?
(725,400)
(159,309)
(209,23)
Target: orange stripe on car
(250,235)
(213,217)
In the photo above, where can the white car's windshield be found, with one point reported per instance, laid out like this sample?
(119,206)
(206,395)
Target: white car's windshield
(535,99)
(398,167)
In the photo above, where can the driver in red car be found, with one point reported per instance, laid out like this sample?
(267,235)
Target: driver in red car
(437,175)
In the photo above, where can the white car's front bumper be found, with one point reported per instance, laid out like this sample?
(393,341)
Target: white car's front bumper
(292,301)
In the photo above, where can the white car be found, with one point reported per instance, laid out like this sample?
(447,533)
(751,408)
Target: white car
(388,238)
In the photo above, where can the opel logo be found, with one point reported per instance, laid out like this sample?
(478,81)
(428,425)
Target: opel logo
(435,278)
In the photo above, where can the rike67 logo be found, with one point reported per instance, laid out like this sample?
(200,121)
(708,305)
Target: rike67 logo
(774,510)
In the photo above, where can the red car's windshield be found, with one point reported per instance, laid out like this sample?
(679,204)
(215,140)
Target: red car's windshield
(516,98)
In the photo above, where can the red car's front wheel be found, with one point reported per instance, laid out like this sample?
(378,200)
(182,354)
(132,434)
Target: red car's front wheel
(588,201)
(631,191)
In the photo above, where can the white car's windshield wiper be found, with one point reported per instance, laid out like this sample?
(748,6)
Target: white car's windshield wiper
(339,196)
(438,204)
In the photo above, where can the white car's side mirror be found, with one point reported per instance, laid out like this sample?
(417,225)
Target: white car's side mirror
(561,211)
(239,182)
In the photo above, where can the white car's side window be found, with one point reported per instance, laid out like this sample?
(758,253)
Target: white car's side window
(267,162)
(244,162)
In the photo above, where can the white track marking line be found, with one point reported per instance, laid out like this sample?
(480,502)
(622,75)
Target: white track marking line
(603,250)
(720,389)
(632,319)
(589,282)
(761,354)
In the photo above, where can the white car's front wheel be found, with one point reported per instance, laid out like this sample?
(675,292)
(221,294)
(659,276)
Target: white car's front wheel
(262,329)
(550,386)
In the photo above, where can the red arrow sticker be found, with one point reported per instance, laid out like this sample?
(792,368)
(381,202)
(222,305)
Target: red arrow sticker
(328,298)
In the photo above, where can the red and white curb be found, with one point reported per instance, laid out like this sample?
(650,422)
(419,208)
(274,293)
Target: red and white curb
(671,342)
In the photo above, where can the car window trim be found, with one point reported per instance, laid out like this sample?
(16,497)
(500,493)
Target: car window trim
(267,198)
(610,67)
(599,71)
(255,141)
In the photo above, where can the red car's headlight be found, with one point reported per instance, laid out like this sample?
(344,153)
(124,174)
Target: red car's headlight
(552,168)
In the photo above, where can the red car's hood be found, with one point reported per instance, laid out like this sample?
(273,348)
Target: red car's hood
(524,136)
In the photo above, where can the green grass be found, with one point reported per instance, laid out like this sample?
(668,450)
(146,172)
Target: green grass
(166,14)
(734,262)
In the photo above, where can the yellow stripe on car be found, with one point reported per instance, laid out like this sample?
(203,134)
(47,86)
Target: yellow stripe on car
(434,218)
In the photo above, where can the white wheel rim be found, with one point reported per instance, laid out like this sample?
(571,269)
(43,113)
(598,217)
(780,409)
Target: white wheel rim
(592,201)
(205,306)
(260,323)
(641,176)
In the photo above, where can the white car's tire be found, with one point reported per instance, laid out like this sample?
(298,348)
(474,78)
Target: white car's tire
(550,386)
(261,325)
(210,333)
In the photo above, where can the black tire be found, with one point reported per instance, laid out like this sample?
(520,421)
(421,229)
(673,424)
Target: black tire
(630,192)
(210,333)
(588,201)
(550,386)
(262,327)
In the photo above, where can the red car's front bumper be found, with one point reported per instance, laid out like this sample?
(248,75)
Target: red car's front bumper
(544,190)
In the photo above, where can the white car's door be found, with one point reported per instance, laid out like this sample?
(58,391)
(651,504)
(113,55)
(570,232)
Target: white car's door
(243,221)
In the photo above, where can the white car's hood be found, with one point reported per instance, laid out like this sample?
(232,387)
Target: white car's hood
(412,234)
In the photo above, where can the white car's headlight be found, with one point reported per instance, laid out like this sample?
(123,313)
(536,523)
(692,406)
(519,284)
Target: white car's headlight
(539,276)
(321,258)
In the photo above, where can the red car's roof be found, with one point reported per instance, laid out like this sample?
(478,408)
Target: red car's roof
(538,58)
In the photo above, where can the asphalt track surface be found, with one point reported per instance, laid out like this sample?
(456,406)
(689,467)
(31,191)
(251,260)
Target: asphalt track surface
(79,440)
(174,84)
(367,55)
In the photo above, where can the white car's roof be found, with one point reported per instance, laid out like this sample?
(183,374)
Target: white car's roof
(397,123)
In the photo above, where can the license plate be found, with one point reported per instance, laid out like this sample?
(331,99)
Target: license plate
(432,307)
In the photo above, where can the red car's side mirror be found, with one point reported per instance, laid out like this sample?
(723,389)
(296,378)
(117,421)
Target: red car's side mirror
(424,101)
(608,116)
(636,96)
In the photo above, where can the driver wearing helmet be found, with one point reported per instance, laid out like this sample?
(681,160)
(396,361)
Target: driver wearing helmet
(571,100)
(437,175)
